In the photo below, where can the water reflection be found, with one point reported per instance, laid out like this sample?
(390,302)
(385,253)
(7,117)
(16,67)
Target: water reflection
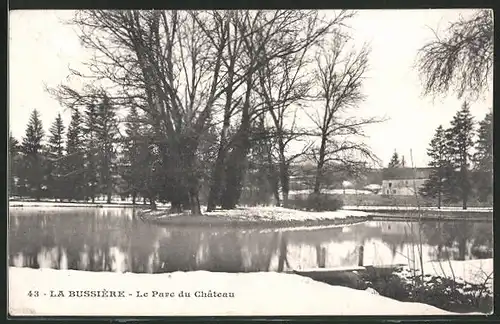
(117,240)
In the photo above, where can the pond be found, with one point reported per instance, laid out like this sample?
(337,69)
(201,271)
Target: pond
(116,239)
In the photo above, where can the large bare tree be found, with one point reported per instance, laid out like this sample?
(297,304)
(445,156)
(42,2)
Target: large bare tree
(179,67)
(340,72)
(283,84)
(266,37)
(167,63)
(461,59)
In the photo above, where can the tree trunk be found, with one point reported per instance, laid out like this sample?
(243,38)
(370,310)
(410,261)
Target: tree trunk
(194,201)
(439,191)
(465,186)
(321,162)
(176,207)
(236,162)
(134,196)
(214,195)
(273,177)
(276,194)
(233,179)
(317,182)
(285,182)
(152,203)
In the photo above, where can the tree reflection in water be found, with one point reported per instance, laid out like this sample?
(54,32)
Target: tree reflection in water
(459,240)
(118,240)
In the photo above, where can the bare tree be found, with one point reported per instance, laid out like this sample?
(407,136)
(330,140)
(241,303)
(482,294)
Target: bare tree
(166,64)
(283,83)
(178,67)
(275,36)
(232,101)
(339,75)
(461,60)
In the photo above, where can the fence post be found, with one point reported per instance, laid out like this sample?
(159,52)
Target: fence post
(323,257)
(360,256)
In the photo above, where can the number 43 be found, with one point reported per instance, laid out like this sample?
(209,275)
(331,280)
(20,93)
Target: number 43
(33,293)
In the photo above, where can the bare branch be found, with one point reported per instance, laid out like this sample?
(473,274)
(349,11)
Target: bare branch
(462,60)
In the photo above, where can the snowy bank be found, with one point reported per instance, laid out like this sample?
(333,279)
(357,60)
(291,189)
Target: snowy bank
(332,192)
(251,216)
(280,213)
(261,294)
(413,208)
(50,204)
(469,271)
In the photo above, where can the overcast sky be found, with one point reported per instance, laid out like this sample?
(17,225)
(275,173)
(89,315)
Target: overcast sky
(41,47)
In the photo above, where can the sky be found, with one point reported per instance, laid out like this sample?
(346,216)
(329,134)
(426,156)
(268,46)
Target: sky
(42,47)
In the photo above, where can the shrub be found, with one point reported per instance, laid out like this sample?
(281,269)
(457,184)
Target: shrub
(438,291)
(317,202)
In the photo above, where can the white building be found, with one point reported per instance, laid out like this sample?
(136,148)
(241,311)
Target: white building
(401,187)
(404,181)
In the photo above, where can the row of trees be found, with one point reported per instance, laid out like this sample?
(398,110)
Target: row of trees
(460,60)
(462,163)
(213,97)
(206,90)
(74,164)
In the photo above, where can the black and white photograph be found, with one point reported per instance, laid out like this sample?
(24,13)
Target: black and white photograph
(250,162)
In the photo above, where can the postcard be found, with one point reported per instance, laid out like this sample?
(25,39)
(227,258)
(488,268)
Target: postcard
(250,162)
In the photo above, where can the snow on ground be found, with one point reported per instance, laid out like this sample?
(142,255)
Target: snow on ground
(273,213)
(80,204)
(458,209)
(285,214)
(333,192)
(477,272)
(260,294)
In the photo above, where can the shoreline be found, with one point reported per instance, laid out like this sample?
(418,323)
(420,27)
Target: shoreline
(364,208)
(396,209)
(253,224)
(52,204)
(257,217)
(237,218)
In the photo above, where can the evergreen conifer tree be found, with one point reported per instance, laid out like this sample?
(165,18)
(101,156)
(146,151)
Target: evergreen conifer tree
(394,162)
(32,149)
(107,131)
(14,162)
(438,152)
(91,148)
(74,161)
(55,154)
(460,143)
(483,159)
(390,172)
(132,171)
